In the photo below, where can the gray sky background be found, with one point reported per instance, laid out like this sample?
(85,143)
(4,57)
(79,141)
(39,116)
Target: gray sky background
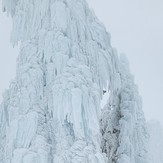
(136,27)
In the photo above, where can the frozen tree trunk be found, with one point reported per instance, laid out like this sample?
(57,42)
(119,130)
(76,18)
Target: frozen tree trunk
(51,113)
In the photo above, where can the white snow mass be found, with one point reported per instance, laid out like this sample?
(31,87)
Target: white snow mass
(52,111)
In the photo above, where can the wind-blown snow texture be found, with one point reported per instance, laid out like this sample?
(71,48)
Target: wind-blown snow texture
(51,112)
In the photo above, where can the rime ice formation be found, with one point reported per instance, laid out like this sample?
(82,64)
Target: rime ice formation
(122,123)
(51,112)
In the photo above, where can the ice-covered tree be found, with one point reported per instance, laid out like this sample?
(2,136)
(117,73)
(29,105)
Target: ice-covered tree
(51,112)
(123,123)
(133,133)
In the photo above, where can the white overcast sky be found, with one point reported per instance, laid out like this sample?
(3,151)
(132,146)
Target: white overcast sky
(136,27)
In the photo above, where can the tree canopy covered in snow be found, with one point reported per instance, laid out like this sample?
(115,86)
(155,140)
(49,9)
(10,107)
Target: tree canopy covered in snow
(51,112)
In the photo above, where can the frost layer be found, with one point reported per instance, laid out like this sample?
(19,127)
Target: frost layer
(51,112)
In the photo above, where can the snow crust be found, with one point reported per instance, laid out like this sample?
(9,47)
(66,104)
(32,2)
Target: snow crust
(51,112)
